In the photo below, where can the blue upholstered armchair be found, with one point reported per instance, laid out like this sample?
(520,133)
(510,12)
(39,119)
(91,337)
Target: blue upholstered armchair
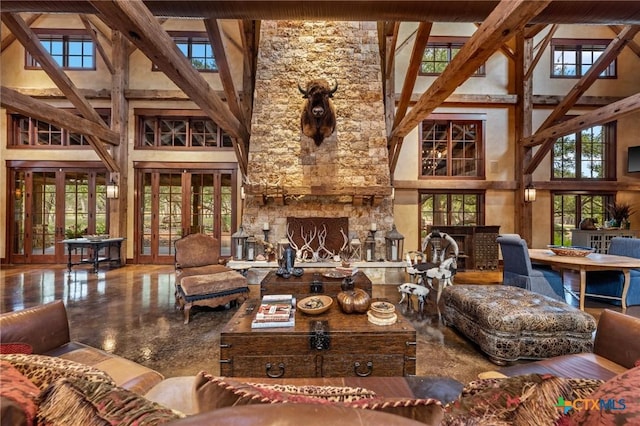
(609,283)
(519,272)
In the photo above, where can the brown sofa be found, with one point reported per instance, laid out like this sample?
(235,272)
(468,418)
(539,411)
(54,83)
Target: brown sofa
(616,348)
(45,329)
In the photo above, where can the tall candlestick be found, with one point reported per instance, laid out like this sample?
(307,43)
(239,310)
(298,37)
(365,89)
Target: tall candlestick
(265,226)
(374,226)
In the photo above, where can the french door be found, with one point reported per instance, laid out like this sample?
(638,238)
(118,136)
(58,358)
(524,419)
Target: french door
(49,205)
(173,203)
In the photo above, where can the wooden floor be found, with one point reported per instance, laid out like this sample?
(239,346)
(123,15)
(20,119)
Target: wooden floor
(130,311)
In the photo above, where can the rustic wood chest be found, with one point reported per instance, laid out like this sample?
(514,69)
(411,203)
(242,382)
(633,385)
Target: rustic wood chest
(299,286)
(332,344)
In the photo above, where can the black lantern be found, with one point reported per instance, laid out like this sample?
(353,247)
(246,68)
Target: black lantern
(370,248)
(238,243)
(251,247)
(394,245)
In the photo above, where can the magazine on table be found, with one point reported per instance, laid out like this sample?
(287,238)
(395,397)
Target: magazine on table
(275,310)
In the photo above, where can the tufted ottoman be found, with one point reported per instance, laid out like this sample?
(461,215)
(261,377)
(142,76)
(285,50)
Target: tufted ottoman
(210,290)
(510,323)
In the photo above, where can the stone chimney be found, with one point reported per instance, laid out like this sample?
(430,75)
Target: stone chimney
(348,174)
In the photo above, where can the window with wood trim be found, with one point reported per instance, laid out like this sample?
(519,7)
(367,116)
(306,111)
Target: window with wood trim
(449,208)
(70,49)
(570,207)
(439,52)
(572,58)
(30,132)
(176,131)
(588,154)
(452,147)
(197,48)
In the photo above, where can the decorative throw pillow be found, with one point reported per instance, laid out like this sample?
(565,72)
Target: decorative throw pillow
(43,370)
(15,348)
(217,392)
(77,401)
(526,399)
(618,402)
(18,397)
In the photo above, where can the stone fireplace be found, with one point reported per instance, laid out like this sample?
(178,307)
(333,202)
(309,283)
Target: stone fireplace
(348,174)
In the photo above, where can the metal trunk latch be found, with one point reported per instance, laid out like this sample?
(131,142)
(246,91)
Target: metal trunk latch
(319,338)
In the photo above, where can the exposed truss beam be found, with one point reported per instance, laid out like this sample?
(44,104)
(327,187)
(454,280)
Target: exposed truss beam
(508,17)
(603,61)
(94,36)
(422,37)
(134,20)
(8,39)
(595,117)
(17,102)
(32,44)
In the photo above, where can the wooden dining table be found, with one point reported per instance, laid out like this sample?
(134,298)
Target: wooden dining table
(591,262)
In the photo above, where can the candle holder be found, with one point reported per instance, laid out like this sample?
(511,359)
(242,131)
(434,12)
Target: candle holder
(266,235)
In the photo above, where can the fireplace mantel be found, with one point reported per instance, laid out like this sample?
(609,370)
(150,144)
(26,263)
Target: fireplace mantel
(356,195)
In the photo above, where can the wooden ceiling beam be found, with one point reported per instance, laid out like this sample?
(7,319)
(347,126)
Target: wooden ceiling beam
(22,104)
(94,36)
(595,117)
(139,25)
(541,48)
(9,38)
(422,37)
(508,17)
(592,74)
(635,47)
(249,33)
(32,44)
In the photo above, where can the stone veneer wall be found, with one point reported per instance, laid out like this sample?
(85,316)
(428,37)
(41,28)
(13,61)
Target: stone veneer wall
(292,53)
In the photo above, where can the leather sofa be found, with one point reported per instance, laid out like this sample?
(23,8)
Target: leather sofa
(616,348)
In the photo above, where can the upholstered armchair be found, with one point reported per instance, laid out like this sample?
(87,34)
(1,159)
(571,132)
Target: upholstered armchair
(201,278)
(520,272)
(609,283)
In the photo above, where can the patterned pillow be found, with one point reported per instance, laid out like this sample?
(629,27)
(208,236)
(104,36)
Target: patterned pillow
(77,401)
(218,392)
(621,399)
(15,348)
(525,399)
(43,370)
(19,397)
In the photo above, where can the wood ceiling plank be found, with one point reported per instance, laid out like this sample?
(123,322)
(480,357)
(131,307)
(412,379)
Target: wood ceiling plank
(508,17)
(17,102)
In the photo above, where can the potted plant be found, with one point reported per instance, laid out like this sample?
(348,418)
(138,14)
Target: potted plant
(620,213)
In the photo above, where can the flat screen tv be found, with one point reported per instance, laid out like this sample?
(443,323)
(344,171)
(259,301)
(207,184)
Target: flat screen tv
(633,159)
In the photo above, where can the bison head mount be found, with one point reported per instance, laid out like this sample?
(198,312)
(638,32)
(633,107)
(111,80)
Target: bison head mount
(318,119)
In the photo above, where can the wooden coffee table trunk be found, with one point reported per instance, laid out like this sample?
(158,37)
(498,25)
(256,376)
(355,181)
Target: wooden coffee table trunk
(355,346)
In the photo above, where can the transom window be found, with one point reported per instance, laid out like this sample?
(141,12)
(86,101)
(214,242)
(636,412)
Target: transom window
(451,148)
(70,49)
(573,58)
(180,132)
(569,208)
(586,154)
(439,52)
(197,48)
(27,131)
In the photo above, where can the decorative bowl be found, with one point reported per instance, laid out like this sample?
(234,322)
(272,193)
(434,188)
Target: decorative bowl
(575,251)
(381,309)
(314,305)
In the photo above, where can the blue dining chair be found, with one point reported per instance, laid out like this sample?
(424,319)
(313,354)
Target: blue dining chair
(520,272)
(609,283)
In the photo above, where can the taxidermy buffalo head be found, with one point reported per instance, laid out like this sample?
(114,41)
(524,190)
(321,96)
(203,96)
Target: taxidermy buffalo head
(318,120)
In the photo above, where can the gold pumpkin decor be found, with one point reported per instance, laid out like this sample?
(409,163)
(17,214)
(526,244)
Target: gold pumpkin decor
(354,301)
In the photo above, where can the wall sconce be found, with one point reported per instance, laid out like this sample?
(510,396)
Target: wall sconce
(112,190)
(529,193)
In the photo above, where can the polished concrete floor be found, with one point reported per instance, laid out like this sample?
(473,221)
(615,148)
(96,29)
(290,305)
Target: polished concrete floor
(130,311)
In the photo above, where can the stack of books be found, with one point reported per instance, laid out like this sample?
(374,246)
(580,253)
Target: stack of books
(347,270)
(275,310)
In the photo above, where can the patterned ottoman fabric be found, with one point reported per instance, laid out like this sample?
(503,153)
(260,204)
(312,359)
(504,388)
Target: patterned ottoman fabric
(212,283)
(510,323)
